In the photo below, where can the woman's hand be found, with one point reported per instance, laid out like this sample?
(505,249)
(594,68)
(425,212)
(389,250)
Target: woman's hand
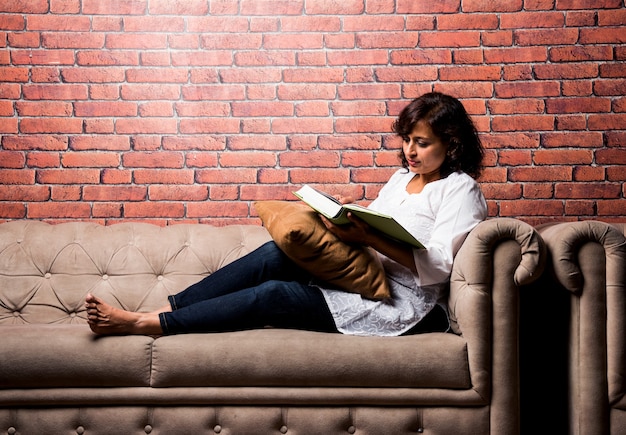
(357,231)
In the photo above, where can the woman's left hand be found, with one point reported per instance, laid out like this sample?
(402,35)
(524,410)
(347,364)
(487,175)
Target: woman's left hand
(355,232)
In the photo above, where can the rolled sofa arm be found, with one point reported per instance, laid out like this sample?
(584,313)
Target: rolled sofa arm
(588,259)
(564,241)
(476,254)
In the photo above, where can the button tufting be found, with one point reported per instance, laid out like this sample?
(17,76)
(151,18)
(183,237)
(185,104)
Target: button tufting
(351,429)
(283,429)
(160,277)
(217,428)
(72,315)
(16,314)
(48,275)
(11,431)
(420,430)
(80,430)
(105,277)
(147,429)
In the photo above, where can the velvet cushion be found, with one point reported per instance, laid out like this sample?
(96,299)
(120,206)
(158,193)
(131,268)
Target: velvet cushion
(300,233)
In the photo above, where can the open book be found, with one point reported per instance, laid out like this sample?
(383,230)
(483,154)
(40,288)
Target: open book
(336,212)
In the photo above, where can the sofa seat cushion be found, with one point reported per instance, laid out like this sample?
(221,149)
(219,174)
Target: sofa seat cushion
(279,357)
(48,356)
(66,356)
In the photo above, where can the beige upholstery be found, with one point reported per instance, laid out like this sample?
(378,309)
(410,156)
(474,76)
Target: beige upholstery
(56,376)
(589,259)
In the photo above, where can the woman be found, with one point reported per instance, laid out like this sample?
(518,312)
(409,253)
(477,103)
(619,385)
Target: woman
(435,196)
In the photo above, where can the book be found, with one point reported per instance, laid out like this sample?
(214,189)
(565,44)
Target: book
(337,213)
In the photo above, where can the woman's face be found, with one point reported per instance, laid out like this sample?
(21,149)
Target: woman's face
(424,152)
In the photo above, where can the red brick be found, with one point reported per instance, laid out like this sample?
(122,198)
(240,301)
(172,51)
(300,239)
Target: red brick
(312,108)
(514,157)
(580,53)
(523,123)
(264,58)
(262,109)
(65,193)
(426,56)
(10,210)
(116,176)
(489,73)
(272,176)
(315,175)
(35,142)
(209,125)
(538,207)
(23,193)
(12,159)
(156,109)
(205,143)
(375,91)
(226,176)
(187,7)
(364,125)
(55,92)
(178,193)
(572,139)
(561,157)
(51,125)
(58,23)
(321,159)
(224,192)
(516,55)
(613,207)
(372,175)
(501,190)
(154,209)
(115,7)
(540,173)
(611,156)
(44,108)
(449,39)
(372,23)
(418,7)
(538,191)
(163,176)
(90,160)
(527,89)
(247,159)
(358,142)
(14,74)
(115,193)
(589,173)
(588,190)
(302,125)
(146,126)
(607,122)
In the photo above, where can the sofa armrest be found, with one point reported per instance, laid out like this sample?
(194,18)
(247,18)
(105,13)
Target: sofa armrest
(564,241)
(588,259)
(496,259)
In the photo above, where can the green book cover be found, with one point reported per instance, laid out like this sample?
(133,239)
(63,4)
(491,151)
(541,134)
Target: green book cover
(336,212)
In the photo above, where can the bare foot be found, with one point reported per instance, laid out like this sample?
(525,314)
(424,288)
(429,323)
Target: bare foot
(107,320)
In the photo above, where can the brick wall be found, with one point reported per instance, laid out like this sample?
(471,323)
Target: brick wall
(189,110)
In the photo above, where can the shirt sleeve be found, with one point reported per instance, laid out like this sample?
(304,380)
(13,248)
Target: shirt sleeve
(462,207)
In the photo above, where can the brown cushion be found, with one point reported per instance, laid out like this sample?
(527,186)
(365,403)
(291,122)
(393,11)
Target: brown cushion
(300,233)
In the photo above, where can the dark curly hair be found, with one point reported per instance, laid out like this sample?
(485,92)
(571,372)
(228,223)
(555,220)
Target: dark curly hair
(449,121)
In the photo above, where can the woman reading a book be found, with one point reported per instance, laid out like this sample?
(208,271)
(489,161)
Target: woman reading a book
(434,195)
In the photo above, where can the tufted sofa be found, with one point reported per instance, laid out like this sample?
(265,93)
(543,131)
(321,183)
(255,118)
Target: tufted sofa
(58,377)
(588,264)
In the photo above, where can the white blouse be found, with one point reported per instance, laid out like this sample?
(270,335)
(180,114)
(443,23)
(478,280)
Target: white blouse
(440,217)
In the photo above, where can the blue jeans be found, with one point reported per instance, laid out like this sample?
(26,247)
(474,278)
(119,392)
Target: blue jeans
(263,288)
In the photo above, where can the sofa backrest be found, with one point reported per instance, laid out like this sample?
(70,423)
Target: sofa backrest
(47,270)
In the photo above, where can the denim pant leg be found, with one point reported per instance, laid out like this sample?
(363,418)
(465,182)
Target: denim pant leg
(282,304)
(265,263)
(263,288)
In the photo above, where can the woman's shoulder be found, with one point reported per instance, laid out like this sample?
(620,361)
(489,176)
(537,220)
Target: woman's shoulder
(460,178)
